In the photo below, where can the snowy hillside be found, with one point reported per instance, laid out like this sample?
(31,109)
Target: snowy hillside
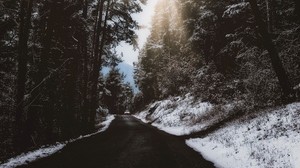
(184,115)
(269,138)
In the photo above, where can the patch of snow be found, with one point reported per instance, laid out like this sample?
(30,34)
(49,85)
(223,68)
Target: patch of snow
(104,126)
(177,115)
(295,159)
(234,9)
(184,115)
(43,152)
(269,139)
(179,130)
(106,123)
(264,139)
(296,87)
(206,14)
(141,116)
(32,156)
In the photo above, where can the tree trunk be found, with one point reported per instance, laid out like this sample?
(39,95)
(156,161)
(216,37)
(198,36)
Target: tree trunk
(269,18)
(101,49)
(297,9)
(71,83)
(85,69)
(43,72)
(273,53)
(69,95)
(96,67)
(21,140)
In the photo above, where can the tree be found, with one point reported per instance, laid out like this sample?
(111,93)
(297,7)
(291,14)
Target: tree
(9,13)
(114,86)
(127,96)
(297,8)
(85,68)
(21,138)
(98,50)
(109,35)
(273,53)
(212,48)
(61,47)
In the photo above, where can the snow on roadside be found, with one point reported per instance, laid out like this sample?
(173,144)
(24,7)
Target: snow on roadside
(142,116)
(31,156)
(104,126)
(269,139)
(28,157)
(265,139)
(176,115)
(183,115)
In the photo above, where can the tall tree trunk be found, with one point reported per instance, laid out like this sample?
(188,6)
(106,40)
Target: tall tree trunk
(85,9)
(43,72)
(85,75)
(273,53)
(96,66)
(71,83)
(297,9)
(269,21)
(22,140)
(69,95)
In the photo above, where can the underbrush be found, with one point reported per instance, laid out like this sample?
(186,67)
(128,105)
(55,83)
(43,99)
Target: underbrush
(186,115)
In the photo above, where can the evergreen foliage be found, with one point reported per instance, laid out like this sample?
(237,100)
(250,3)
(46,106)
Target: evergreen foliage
(222,52)
(51,57)
(118,95)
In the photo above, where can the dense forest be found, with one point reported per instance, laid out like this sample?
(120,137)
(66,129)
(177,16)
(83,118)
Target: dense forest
(222,52)
(51,55)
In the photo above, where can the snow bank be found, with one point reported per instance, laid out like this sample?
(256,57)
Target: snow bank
(184,115)
(106,123)
(266,139)
(269,139)
(177,115)
(26,158)
(31,156)
(103,127)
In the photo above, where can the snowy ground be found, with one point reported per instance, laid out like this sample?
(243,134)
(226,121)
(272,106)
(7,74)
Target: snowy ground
(270,140)
(183,115)
(266,139)
(103,127)
(28,157)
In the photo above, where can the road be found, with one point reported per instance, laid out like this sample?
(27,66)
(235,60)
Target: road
(128,143)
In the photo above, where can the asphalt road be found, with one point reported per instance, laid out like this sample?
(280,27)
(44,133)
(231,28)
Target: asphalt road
(128,143)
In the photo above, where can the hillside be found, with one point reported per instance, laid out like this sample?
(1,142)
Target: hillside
(261,139)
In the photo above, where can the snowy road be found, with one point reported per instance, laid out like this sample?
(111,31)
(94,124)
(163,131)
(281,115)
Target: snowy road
(127,143)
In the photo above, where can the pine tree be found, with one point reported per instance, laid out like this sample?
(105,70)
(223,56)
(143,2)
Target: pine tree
(22,139)
(273,53)
(114,85)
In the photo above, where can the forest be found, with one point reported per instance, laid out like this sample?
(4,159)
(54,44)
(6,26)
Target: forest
(51,55)
(222,51)
(224,76)
(52,52)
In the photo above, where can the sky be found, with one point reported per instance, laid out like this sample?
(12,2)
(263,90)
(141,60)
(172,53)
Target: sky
(144,19)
